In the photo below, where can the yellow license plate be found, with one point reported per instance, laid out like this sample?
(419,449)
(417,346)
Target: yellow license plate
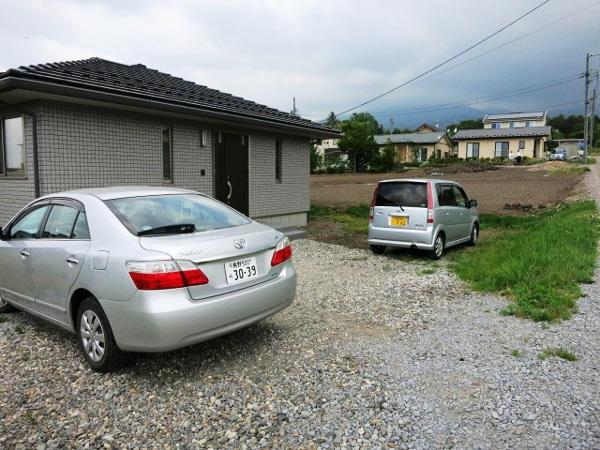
(399,221)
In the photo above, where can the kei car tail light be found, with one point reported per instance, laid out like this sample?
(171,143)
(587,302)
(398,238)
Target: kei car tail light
(429,202)
(283,252)
(158,275)
(373,201)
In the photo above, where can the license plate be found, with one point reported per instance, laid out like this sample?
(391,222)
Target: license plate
(399,221)
(241,270)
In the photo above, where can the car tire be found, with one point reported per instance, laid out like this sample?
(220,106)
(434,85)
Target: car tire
(5,307)
(93,328)
(377,249)
(439,245)
(474,235)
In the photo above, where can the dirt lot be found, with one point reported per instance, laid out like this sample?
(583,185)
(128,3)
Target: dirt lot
(526,185)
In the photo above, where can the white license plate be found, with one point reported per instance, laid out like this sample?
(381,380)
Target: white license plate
(241,270)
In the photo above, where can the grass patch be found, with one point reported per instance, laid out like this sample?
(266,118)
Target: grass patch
(539,263)
(558,352)
(568,170)
(516,353)
(428,271)
(3,318)
(354,218)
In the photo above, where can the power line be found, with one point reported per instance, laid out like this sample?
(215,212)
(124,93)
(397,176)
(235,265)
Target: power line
(389,91)
(508,94)
(518,38)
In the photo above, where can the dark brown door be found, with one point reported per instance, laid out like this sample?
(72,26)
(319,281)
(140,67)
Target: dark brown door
(231,170)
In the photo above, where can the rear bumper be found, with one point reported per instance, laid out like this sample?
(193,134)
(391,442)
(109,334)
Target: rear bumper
(157,321)
(390,237)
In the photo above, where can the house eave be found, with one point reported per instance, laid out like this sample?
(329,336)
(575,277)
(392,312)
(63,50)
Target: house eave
(10,83)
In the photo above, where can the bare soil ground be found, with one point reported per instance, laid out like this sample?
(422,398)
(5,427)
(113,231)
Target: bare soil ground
(526,185)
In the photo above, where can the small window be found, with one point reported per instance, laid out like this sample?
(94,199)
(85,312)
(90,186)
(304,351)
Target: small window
(81,230)
(521,145)
(473,150)
(28,226)
(12,156)
(501,149)
(496,125)
(167,154)
(278,156)
(60,223)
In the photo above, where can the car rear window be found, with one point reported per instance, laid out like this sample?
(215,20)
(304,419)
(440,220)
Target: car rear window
(411,194)
(150,212)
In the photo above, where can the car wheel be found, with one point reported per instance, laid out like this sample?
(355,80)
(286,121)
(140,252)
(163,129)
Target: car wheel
(438,247)
(377,249)
(96,338)
(5,307)
(474,235)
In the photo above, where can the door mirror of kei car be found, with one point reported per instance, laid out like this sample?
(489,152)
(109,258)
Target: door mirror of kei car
(472,203)
(2,237)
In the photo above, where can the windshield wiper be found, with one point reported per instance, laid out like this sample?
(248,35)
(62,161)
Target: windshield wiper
(170,229)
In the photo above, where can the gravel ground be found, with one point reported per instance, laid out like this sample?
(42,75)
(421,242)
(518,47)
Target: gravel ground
(377,352)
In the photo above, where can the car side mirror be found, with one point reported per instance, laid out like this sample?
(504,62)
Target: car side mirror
(472,203)
(2,237)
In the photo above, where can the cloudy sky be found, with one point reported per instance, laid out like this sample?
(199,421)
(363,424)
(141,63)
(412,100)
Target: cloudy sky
(329,54)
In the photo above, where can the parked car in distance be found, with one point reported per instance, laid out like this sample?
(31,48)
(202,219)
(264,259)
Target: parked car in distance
(558,154)
(142,269)
(422,214)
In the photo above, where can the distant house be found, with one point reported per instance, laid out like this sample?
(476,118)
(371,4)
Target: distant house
(93,123)
(505,133)
(329,151)
(426,128)
(418,146)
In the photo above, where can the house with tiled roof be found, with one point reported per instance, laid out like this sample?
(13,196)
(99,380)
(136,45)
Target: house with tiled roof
(95,122)
(524,133)
(420,145)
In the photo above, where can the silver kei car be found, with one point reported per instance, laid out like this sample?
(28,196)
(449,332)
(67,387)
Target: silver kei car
(142,269)
(422,214)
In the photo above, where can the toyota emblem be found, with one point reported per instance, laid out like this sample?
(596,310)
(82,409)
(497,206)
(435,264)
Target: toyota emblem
(240,243)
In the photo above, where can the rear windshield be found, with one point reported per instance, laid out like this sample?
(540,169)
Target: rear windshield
(402,194)
(146,213)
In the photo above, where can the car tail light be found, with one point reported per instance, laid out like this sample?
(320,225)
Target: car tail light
(283,252)
(429,202)
(373,201)
(157,275)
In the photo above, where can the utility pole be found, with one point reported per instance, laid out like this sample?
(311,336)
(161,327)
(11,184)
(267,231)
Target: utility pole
(587,102)
(593,116)
(294,111)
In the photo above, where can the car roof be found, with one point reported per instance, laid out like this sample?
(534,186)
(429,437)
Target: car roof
(418,180)
(111,193)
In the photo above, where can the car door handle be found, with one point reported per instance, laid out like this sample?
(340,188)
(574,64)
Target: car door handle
(230,190)
(25,253)
(72,260)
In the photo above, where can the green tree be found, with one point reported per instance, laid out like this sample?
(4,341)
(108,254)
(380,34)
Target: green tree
(358,141)
(331,121)
(469,124)
(388,156)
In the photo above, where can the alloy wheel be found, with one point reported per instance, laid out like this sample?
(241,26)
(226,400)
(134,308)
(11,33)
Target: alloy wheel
(475,235)
(92,335)
(439,246)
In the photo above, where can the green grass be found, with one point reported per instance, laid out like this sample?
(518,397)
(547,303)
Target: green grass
(354,218)
(516,353)
(428,271)
(559,352)
(569,170)
(3,318)
(539,261)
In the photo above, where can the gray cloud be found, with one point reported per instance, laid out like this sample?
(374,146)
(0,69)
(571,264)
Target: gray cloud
(329,55)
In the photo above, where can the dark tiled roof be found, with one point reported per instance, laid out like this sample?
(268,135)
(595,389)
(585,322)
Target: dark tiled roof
(139,81)
(432,137)
(491,133)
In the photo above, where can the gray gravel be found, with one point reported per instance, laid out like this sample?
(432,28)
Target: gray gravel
(376,353)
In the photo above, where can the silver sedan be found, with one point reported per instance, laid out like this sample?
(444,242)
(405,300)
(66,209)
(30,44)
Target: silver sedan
(142,269)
